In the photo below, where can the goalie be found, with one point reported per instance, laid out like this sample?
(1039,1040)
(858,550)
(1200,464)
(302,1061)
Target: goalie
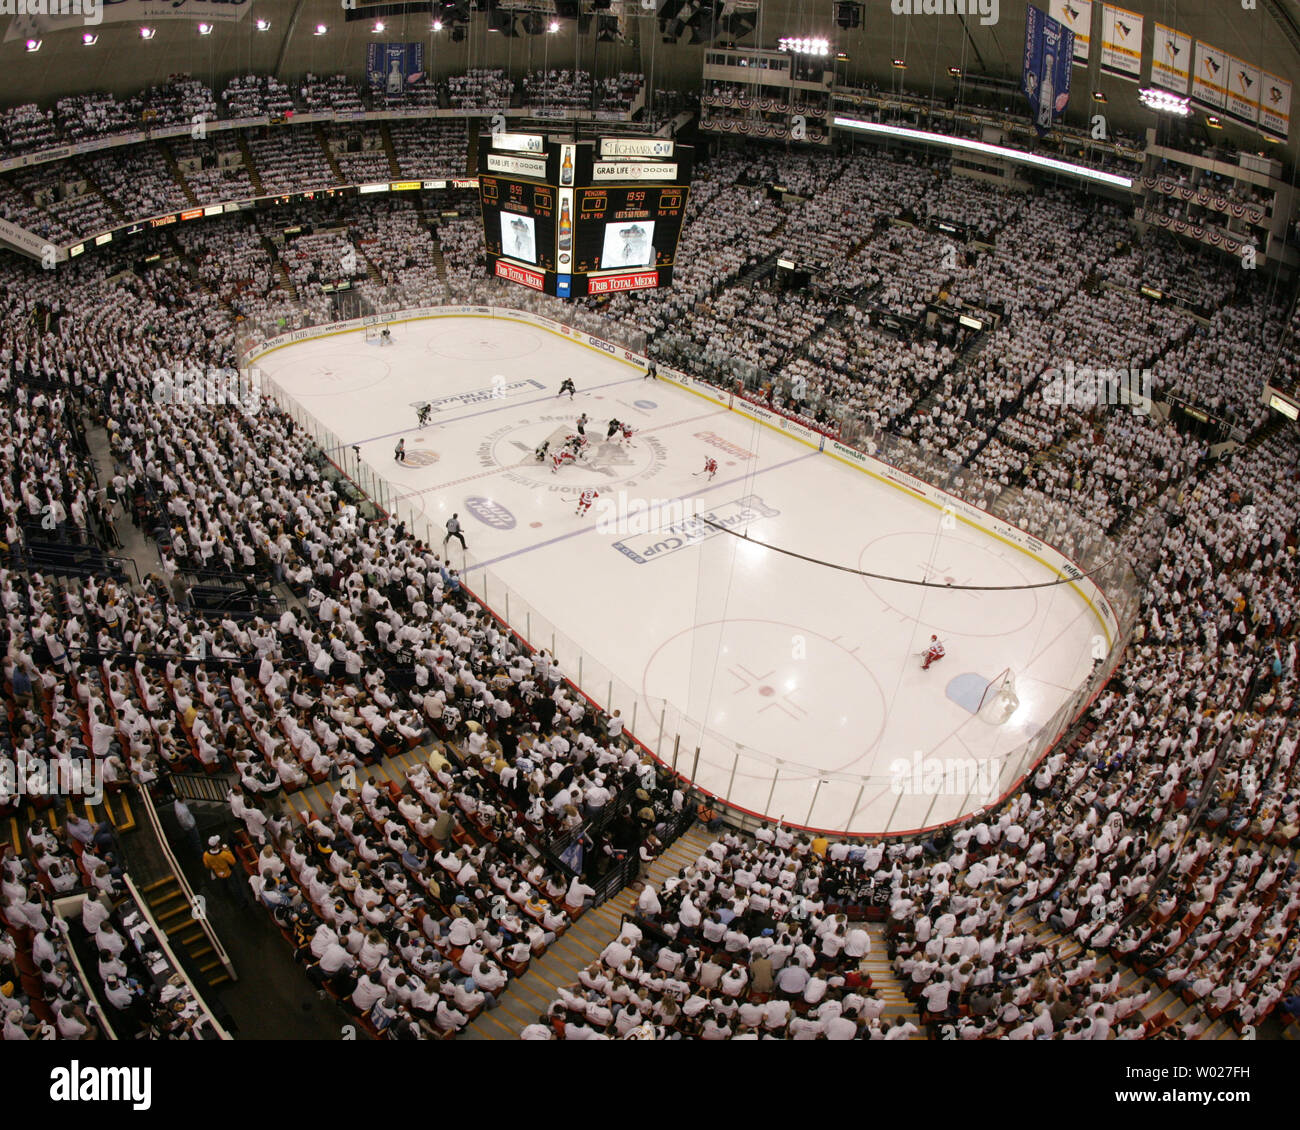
(933,653)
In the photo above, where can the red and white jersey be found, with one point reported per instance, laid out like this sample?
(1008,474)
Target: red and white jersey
(627,431)
(561,458)
(935,650)
(588,496)
(710,465)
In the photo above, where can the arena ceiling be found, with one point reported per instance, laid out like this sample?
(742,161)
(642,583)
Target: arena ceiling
(1267,34)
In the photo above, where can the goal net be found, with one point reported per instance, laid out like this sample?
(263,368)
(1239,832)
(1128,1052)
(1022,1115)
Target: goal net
(375,333)
(999,700)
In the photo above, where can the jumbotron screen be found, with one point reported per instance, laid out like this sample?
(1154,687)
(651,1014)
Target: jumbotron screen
(583,218)
(519,221)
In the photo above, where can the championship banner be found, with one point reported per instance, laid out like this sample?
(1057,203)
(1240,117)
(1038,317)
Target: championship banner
(1274,106)
(392,67)
(1171,60)
(1121,42)
(1243,90)
(1077,16)
(1210,78)
(1049,51)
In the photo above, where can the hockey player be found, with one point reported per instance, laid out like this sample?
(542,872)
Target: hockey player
(422,415)
(542,449)
(710,467)
(582,425)
(614,425)
(399,452)
(567,386)
(627,433)
(933,653)
(560,458)
(585,500)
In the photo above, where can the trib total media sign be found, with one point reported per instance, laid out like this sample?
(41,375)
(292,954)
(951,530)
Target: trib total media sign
(511,273)
(608,284)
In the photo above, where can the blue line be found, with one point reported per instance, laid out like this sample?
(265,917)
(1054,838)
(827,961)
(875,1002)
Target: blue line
(591,529)
(486,412)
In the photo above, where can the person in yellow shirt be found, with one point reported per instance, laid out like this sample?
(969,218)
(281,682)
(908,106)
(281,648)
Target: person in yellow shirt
(819,846)
(219,861)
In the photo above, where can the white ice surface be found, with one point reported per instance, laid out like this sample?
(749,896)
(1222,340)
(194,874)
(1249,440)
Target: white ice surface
(775,658)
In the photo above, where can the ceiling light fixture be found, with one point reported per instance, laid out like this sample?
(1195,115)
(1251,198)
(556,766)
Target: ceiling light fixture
(804,46)
(1164,103)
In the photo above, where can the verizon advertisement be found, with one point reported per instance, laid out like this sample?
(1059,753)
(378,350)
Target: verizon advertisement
(609,284)
(512,273)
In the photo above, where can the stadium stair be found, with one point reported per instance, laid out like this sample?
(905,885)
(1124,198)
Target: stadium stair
(171,910)
(247,154)
(529,996)
(328,150)
(112,203)
(1166,1001)
(170,159)
(439,263)
(885,982)
(394,168)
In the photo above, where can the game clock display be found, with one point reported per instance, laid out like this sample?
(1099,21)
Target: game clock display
(579,218)
(626,228)
(519,221)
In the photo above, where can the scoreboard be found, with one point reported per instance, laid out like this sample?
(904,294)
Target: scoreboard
(583,218)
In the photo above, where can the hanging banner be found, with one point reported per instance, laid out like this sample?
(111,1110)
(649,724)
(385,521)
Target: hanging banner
(1049,50)
(1077,16)
(1171,60)
(1243,90)
(1274,106)
(392,67)
(1121,42)
(1210,78)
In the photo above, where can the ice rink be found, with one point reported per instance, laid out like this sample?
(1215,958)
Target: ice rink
(804,682)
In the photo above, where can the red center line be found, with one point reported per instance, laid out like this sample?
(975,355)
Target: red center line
(498,470)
